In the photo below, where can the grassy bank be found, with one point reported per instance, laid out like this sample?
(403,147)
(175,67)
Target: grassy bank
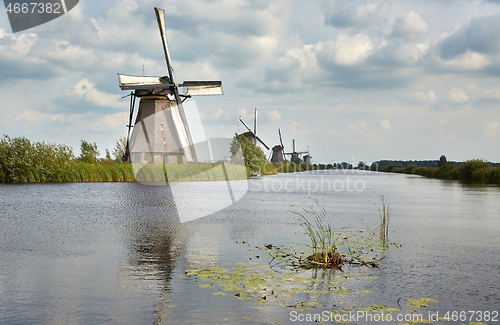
(470,171)
(23,161)
(189,172)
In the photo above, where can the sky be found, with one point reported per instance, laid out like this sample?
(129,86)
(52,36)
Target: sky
(350,80)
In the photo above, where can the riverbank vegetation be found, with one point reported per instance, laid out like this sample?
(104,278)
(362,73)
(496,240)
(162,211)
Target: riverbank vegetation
(24,161)
(470,171)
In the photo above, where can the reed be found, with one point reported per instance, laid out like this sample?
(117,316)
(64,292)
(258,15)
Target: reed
(101,172)
(189,172)
(22,161)
(323,242)
(384,212)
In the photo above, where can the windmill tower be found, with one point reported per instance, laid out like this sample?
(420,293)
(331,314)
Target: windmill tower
(277,155)
(161,131)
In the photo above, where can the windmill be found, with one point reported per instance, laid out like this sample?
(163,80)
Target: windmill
(294,155)
(307,158)
(277,154)
(161,132)
(252,135)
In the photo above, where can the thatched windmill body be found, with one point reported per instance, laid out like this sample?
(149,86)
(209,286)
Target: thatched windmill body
(161,132)
(278,154)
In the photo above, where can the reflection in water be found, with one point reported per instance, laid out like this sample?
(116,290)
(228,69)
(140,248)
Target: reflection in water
(151,259)
(154,240)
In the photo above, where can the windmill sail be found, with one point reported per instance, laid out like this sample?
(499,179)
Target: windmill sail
(202,88)
(258,140)
(127,82)
(160,17)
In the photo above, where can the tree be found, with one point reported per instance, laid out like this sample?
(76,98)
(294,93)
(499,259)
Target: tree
(88,152)
(254,157)
(108,155)
(442,161)
(120,149)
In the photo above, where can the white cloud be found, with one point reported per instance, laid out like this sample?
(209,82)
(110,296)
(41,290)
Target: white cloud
(491,129)
(217,113)
(420,97)
(457,95)
(107,122)
(411,26)
(273,115)
(359,127)
(467,61)
(32,117)
(492,93)
(86,91)
(243,113)
(16,45)
(346,50)
(385,124)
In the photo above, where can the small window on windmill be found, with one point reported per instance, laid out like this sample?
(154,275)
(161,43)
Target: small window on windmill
(161,129)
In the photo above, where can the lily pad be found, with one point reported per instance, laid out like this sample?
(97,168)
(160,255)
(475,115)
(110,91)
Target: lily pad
(422,302)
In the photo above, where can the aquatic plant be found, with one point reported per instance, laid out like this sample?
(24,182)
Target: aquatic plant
(333,248)
(321,233)
(384,212)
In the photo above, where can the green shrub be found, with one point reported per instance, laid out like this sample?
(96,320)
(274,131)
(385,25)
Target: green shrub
(494,175)
(410,169)
(473,170)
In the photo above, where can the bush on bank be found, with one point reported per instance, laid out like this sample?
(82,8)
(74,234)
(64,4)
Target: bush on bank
(470,171)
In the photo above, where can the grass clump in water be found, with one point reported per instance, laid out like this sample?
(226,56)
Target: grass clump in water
(334,248)
(323,242)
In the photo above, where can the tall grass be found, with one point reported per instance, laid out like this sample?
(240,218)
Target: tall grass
(24,161)
(384,212)
(321,233)
(189,172)
(331,247)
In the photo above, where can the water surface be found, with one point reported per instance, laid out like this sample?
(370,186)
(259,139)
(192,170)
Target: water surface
(115,253)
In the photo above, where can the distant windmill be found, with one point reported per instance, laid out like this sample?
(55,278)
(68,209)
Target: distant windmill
(253,134)
(277,154)
(307,158)
(161,132)
(294,155)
